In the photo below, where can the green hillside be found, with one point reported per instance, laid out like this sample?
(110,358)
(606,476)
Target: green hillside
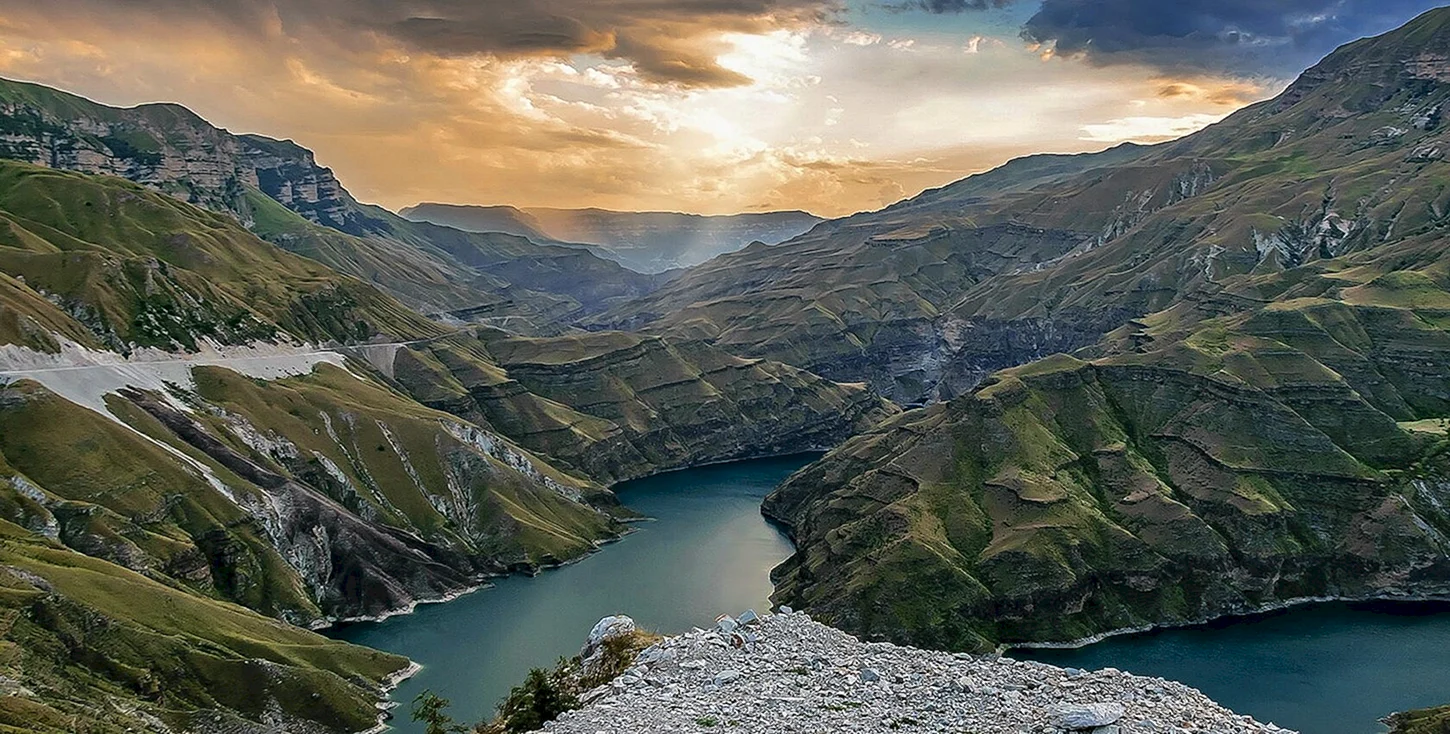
(1228,454)
(129,267)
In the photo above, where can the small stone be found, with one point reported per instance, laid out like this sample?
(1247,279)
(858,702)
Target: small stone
(726,676)
(870,675)
(1084,716)
(786,610)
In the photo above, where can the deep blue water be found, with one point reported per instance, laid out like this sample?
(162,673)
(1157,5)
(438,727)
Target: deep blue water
(1324,669)
(707,552)
(1321,669)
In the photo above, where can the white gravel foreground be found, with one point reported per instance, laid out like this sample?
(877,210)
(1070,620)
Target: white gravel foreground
(784,673)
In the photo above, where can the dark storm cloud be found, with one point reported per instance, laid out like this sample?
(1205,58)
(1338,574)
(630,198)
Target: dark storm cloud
(668,40)
(1236,36)
(954,6)
(1246,36)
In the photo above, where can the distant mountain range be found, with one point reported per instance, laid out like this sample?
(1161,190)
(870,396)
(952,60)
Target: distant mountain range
(648,242)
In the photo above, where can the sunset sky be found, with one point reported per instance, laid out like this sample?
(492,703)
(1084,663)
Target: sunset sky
(710,106)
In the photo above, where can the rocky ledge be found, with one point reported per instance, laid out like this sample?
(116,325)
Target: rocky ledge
(786,673)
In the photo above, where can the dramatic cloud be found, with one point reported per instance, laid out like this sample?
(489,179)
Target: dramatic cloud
(666,40)
(1246,37)
(698,105)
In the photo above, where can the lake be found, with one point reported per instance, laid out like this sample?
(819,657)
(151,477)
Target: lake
(1323,669)
(707,552)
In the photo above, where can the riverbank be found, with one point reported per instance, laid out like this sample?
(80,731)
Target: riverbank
(787,673)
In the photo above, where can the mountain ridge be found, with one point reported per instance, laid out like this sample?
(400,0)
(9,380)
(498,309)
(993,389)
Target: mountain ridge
(647,241)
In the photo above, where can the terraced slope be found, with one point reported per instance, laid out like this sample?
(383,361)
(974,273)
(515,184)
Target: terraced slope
(276,188)
(1046,254)
(1273,439)
(615,406)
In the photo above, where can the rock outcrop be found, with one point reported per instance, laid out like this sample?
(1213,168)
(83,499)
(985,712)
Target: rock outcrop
(789,673)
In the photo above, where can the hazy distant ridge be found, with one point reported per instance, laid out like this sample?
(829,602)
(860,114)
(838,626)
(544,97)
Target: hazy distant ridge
(649,242)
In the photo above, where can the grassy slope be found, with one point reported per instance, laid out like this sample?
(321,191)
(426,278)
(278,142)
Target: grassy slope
(1424,721)
(94,645)
(508,281)
(1215,458)
(133,267)
(139,519)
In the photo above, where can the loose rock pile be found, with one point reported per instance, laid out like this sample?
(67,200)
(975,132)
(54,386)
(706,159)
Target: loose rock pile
(785,673)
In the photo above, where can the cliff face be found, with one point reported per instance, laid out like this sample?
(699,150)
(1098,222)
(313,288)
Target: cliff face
(1217,457)
(167,147)
(615,406)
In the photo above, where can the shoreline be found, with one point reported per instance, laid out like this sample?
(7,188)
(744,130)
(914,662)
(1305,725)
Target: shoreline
(384,704)
(487,582)
(1301,601)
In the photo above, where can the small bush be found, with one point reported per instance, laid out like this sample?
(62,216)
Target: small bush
(430,708)
(541,698)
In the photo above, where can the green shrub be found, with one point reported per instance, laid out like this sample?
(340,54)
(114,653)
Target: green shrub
(540,699)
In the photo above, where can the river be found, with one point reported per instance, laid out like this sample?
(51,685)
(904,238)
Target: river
(707,552)
(1324,669)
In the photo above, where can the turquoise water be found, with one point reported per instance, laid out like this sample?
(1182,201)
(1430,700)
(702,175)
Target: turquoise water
(1323,669)
(1326,669)
(707,552)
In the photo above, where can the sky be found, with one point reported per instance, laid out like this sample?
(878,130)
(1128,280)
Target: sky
(710,106)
